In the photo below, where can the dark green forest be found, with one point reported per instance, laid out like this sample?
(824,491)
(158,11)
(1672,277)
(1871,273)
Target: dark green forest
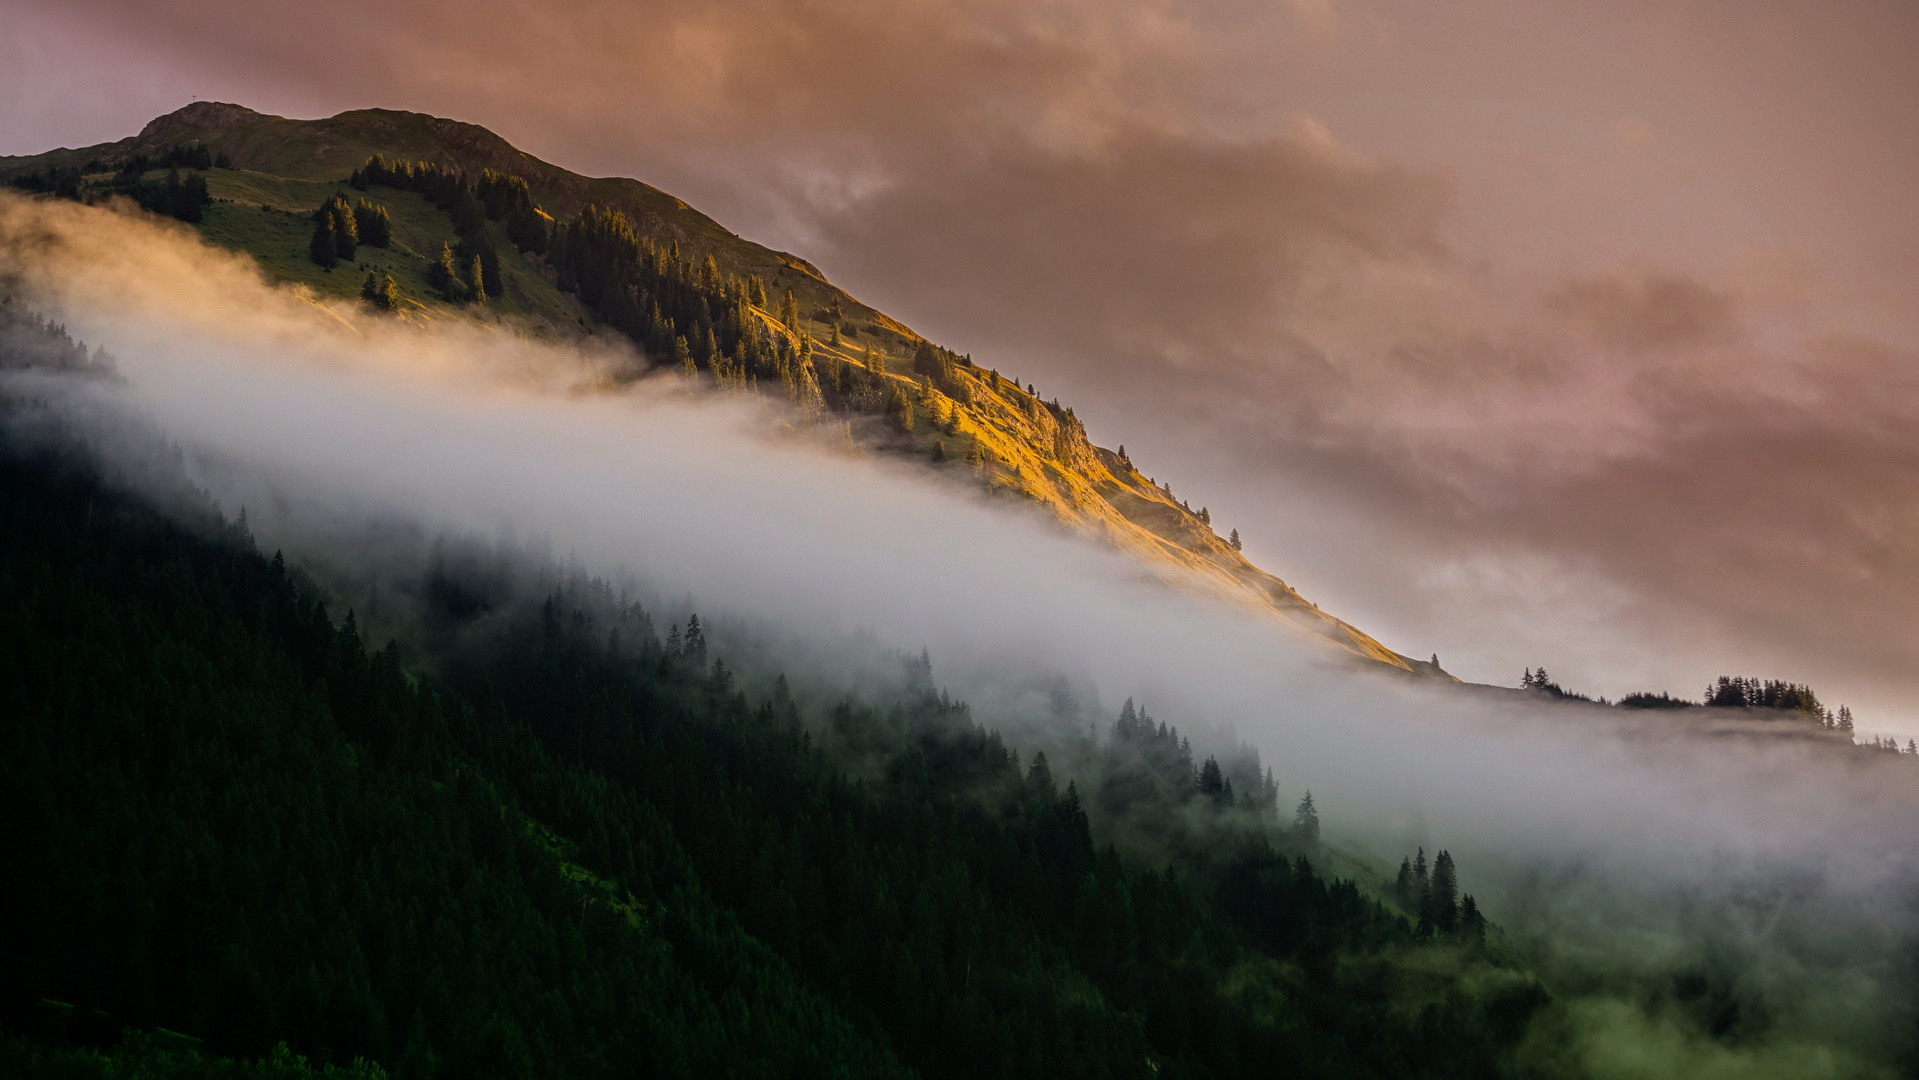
(239,832)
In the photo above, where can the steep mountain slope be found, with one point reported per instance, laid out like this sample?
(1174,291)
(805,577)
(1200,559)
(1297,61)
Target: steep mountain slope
(282,170)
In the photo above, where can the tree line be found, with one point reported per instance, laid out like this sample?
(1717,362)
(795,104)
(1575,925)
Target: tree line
(174,195)
(1737,692)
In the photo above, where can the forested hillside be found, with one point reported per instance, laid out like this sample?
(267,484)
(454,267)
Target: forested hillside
(461,225)
(579,846)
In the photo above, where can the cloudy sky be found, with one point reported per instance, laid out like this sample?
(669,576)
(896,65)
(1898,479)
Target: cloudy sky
(1520,334)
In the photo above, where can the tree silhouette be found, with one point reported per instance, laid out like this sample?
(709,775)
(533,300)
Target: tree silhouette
(1306,818)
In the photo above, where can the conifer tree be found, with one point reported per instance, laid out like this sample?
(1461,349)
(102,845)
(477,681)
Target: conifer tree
(939,452)
(443,276)
(1403,884)
(320,248)
(1234,540)
(186,199)
(1210,781)
(790,311)
(1306,819)
(1445,893)
(346,234)
(337,216)
(1472,924)
(903,415)
(695,648)
(1039,781)
(374,226)
(476,281)
(755,291)
(683,358)
(974,455)
(1423,894)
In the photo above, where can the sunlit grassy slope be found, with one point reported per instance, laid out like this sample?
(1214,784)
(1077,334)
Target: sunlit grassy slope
(284,169)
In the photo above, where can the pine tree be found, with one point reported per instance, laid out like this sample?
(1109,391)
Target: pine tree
(376,292)
(443,276)
(1845,720)
(320,248)
(476,281)
(1306,819)
(1472,924)
(939,452)
(1210,781)
(1422,893)
(1205,516)
(790,311)
(185,199)
(683,358)
(1403,884)
(1445,888)
(695,648)
(974,455)
(346,234)
(1234,540)
(1039,780)
(373,224)
(903,415)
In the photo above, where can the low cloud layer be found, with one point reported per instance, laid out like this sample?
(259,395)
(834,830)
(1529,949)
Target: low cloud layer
(1614,846)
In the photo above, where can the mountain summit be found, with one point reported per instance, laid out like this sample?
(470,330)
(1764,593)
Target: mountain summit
(614,255)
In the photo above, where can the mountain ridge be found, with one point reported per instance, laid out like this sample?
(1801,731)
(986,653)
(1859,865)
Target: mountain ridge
(283,168)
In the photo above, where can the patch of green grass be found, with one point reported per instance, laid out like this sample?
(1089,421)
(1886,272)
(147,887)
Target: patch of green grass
(270,218)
